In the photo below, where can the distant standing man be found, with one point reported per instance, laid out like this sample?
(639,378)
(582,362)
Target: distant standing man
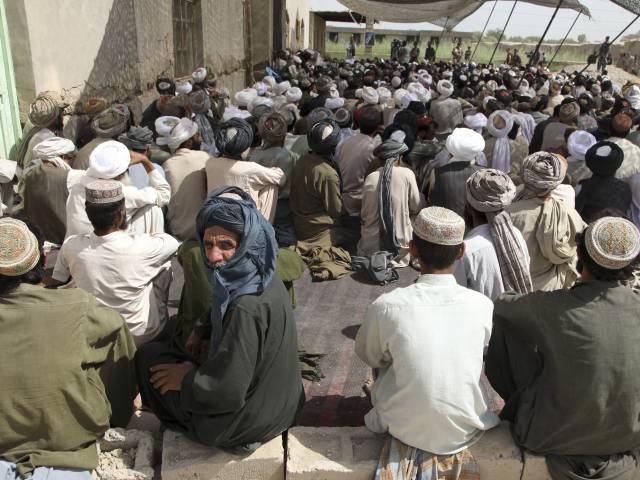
(467,54)
(414,55)
(430,53)
(603,54)
(351,48)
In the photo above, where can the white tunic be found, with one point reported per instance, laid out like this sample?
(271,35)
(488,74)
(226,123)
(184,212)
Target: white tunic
(158,193)
(479,269)
(428,341)
(120,270)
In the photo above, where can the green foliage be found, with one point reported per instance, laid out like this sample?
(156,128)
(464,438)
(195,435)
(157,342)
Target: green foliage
(582,38)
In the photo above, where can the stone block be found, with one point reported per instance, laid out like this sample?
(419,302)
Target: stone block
(126,455)
(498,455)
(182,458)
(332,453)
(535,467)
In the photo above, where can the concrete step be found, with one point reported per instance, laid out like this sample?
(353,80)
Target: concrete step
(182,458)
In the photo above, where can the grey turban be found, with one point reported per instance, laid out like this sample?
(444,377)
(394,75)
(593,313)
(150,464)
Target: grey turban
(324,137)
(137,138)
(323,84)
(317,114)
(111,122)
(234,137)
(272,128)
(260,111)
(542,173)
(343,117)
(490,190)
(390,149)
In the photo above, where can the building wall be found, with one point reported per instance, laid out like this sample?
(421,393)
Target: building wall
(300,10)
(118,48)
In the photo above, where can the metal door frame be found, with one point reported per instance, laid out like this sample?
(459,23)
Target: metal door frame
(10,129)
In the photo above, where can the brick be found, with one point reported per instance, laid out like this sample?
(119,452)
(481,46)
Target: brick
(332,453)
(182,458)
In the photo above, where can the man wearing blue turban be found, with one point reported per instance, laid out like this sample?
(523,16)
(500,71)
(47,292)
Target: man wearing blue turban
(240,385)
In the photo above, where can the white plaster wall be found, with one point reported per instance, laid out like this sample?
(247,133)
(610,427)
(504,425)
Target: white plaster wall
(302,9)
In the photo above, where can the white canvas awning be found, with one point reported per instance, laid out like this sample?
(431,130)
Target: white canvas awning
(438,12)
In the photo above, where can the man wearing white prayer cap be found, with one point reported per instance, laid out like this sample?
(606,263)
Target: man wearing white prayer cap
(244,97)
(46,186)
(107,125)
(370,96)
(448,182)
(476,122)
(185,172)
(446,111)
(457,412)
(578,143)
(294,95)
(110,161)
(199,75)
(127,271)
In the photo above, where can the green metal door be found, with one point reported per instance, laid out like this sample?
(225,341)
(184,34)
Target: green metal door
(9,115)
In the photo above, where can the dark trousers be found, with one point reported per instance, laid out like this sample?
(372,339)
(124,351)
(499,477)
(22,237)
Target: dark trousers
(166,407)
(511,364)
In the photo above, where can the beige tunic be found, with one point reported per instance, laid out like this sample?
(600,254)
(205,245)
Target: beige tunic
(406,203)
(260,182)
(549,227)
(185,172)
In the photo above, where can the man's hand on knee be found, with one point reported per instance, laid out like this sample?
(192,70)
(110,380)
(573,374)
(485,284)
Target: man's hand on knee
(168,376)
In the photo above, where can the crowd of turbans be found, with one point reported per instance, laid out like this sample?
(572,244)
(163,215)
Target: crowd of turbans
(514,191)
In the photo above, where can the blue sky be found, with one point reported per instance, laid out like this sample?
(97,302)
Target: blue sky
(607,19)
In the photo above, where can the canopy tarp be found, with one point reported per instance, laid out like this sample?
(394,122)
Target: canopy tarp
(631,5)
(440,12)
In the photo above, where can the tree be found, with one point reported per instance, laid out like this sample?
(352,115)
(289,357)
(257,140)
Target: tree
(582,38)
(493,34)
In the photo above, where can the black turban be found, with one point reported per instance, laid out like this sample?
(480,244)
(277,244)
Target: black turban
(324,137)
(604,158)
(234,137)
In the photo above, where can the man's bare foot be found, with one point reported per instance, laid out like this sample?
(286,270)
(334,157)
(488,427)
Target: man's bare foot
(367,387)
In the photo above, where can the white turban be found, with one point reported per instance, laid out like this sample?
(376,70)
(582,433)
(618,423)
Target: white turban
(464,145)
(294,95)
(398,95)
(53,147)
(180,133)
(370,95)
(261,88)
(408,98)
(109,160)
(501,159)
(384,95)
(234,112)
(578,143)
(270,81)
(199,75)
(445,89)
(396,82)
(334,103)
(243,97)
(486,100)
(278,101)
(447,74)
(475,122)
(282,87)
(184,88)
(255,101)
(165,124)
(633,95)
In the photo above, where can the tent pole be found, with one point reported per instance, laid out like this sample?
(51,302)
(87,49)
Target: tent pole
(483,30)
(535,52)
(546,30)
(564,39)
(442,35)
(502,33)
(616,38)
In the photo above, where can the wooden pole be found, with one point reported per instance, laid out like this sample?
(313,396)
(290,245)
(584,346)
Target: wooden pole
(483,30)
(503,30)
(441,35)
(564,39)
